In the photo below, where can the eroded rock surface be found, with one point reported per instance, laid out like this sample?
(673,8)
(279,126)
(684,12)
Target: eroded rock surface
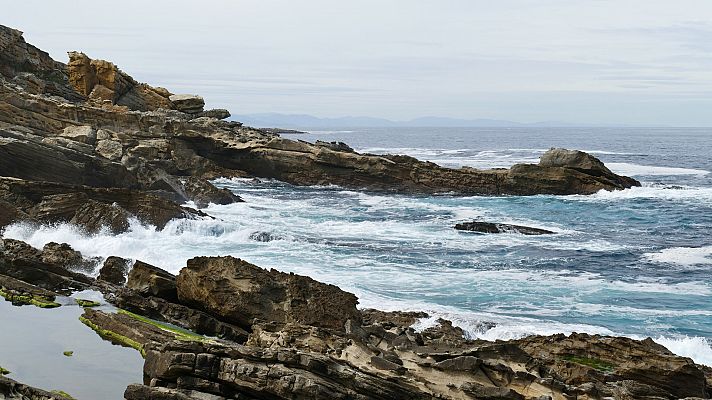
(240,292)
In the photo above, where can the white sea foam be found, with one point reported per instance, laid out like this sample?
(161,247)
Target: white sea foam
(629,169)
(697,348)
(686,256)
(649,191)
(319,236)
(478,325)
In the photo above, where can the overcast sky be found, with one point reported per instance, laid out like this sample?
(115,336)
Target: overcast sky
(590,61)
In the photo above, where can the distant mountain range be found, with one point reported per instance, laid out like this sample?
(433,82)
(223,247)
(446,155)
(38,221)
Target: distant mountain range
(266,120)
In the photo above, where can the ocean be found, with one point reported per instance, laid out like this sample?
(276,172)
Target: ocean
(636,262)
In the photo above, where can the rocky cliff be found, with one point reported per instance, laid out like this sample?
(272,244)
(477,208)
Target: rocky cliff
(89,123)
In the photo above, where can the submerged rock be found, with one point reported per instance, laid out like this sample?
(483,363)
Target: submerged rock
(490,227)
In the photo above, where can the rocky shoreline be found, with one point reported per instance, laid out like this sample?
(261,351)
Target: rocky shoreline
(85,143)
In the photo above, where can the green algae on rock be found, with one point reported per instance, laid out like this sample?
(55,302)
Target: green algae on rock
(22,299)
(87,303)
(113,336)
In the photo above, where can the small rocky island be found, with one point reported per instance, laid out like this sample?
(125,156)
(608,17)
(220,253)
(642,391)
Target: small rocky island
(85,143)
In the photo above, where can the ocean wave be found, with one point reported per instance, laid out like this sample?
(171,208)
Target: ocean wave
(650,191)
(479,325)
(685,256)
(629,169)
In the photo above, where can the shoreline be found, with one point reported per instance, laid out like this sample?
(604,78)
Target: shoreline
(83,143)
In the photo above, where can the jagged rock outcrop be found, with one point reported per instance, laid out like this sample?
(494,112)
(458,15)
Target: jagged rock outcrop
(188,103)
(491,227)
(114,270)
(13,390)
(102,81)
(147,280)
(89,207)
(203,193)
(240,292)
(26,263)
(159,146)
(373,355)
(380,356)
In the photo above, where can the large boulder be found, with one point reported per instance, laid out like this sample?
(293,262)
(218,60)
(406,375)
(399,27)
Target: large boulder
(24,262)
(188,103)
(152,281)
(114,270)
(84,134)
(102,81)
(240,292)
(202,193)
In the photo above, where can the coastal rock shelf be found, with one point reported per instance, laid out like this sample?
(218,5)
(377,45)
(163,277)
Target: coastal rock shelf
(294,337)
(86,144)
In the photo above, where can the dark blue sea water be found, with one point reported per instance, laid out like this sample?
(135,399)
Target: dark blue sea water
(636,262)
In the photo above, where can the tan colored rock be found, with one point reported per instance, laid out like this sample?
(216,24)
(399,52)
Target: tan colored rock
(239,292)
(188,103)
(83,133)
(110,149)
(102,81)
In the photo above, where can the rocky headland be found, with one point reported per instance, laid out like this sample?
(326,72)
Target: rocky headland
(85,143)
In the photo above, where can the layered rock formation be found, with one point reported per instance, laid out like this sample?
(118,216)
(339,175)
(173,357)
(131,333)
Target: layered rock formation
(85,143)
(89,123)
(270,337)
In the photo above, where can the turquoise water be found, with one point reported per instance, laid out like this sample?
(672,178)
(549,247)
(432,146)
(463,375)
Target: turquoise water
(635,262)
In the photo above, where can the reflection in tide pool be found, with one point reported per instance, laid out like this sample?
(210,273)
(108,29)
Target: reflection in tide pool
(32,347)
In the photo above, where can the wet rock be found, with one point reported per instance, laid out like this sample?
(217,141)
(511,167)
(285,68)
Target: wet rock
(61,254)
(114,270)
(21,293)
(152,281)
(202,192)
(263,236)
(57,202)
(13,390)
(10,214)
(124,329)
(179,315)
(335,146)
(490,227)
(188,103)
(21,261)
(239,292)
(93,216)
